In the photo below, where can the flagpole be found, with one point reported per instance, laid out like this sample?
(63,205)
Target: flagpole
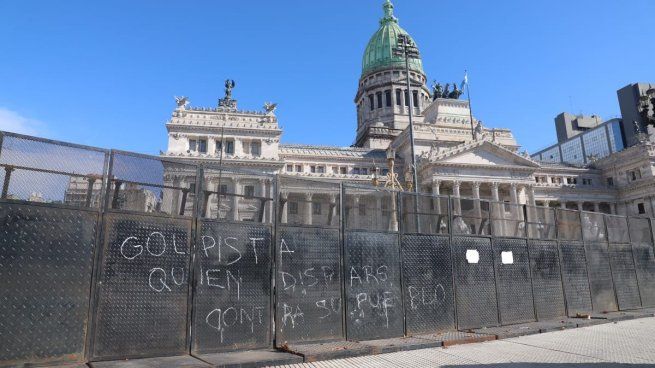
(468,96)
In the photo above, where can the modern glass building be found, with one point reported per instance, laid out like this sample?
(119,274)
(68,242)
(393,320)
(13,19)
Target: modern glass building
(595,143)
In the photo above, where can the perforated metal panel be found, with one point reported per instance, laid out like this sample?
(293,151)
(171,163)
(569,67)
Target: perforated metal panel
(374,306)
(475,288)
(143,291)
(574,277)
(231,296)
(513,281)
(600,277)
(308,280)
(427,284)
(645,267)
(546,280)
(46,258)
(624,276)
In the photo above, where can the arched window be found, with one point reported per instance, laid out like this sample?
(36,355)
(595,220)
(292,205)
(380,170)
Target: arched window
(371,102)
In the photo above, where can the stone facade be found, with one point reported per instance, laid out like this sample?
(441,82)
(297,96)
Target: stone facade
(452,158)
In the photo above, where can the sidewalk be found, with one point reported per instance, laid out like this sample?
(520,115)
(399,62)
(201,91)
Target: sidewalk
(607,345)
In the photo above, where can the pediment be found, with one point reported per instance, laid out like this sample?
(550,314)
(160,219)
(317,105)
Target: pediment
(483,153)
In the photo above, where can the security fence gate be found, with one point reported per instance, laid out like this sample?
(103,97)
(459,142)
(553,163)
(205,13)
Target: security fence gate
(426,264)
(115,255)
(372,269)
(546,279)
(308,269)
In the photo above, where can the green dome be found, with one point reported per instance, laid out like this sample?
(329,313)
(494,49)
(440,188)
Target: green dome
(379,51)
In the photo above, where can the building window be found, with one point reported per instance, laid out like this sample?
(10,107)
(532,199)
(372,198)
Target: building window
(219,146)
(293,208)
(571,181)
(298,168)
(387,98)
(229,147)
(371,102)
(255,148)
(316,208)
(312,169)
(289,168)
(356,170)
(364,171)
(415,98)
(198,145)
(610,182)
(320,169)
(249,191)
(641,209)
(222,189)
(586,181)
(343,170)
(398,97)
(634,175)
(378,95)
(406,98)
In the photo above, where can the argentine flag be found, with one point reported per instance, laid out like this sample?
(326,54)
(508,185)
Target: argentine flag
(465,82)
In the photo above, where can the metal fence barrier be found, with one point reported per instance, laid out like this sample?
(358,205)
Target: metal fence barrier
(47,247)
(426,265)
(309,301)
(113,255)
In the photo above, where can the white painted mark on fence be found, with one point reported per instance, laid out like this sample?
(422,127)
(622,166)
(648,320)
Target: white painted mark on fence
(472,256)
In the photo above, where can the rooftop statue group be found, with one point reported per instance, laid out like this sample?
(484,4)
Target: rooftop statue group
(444,92)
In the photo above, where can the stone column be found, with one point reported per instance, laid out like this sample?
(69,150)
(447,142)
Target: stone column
(596,207)
(514,200)
(457,205)
(562,204)
(613,208)
(476,205)
(546,203)
(498,210)
(235,199)
(333,209)
(436,190)
(580,205)
(532,203)
(284,208)
(308,209)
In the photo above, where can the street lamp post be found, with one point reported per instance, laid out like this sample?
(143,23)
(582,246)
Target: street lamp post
(407,50)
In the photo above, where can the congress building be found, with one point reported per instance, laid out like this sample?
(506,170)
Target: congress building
(455,153)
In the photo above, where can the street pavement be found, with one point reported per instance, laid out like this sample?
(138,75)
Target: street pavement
(622,344)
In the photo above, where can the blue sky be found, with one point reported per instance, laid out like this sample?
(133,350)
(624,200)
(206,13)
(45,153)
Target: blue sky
(104,73)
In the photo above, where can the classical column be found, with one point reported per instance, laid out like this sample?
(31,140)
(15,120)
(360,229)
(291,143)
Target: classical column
(436,190)
(235,199)
(476,205)
(562,204)
(333,209)
(308,209)
(532,203)
(596,207)
(613,208)
(497,209)
(284,208)
(514,200)
(457,205)
(580,205)
(546,203)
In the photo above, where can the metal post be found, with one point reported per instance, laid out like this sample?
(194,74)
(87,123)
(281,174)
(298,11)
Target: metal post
(5,185)
(342,262)
(89,191)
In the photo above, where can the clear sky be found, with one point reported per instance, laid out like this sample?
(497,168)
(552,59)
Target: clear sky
(104,73)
